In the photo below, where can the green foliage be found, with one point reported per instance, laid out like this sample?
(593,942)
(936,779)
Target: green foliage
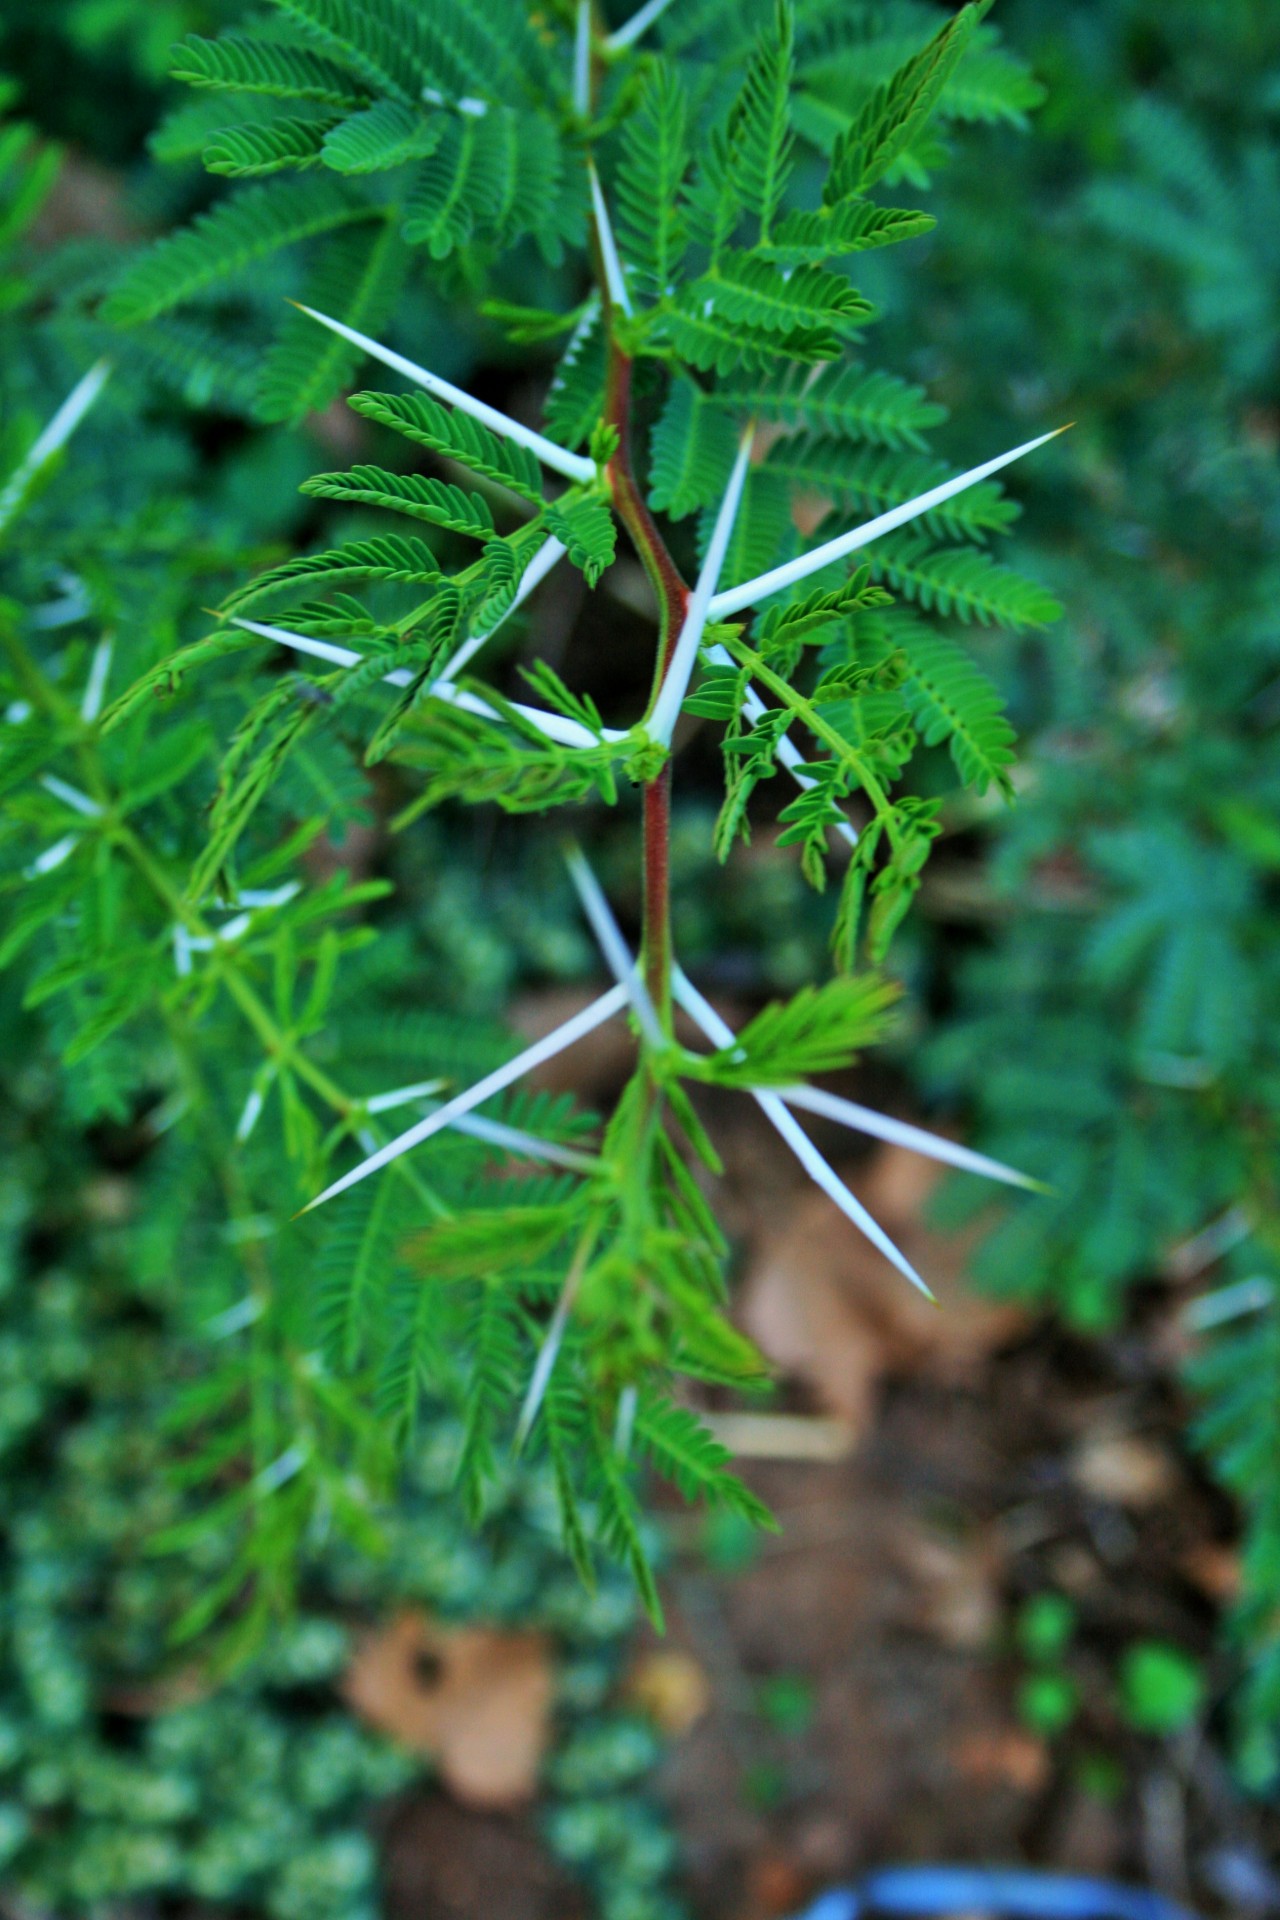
(1112,1030)
(1161,1689)
(818,1031)
(457,437)
(236,63)
(443,149)
(228,240)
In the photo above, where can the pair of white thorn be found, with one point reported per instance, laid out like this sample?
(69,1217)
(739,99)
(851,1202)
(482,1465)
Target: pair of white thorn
(629,990)
(705,603)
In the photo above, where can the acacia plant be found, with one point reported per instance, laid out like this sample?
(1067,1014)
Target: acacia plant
(700,180)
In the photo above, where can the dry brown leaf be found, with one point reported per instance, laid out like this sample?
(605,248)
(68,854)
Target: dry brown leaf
(476,1699)
(671,1688)
(1214,1568)
(1004,1756)
(826,1307)
(956,1583)
(1123,1470)
(781,1436)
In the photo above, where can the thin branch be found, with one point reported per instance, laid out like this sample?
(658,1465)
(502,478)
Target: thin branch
(736,598)
(787,751)
(574,466)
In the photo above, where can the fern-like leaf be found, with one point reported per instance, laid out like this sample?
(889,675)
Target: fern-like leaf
(497,1360)
(713,342)
(357,278)
(817,1031)
(852,226)
(951,700)
(456,436)
(685,1452)
(692,451)
(382,136)
(250,151)
(961,582)
(848,401)
(389,557)
(655,155)
(752,292)
(374,38)
(874,480)
(761,127)
(897,111)
(221,243)
(422,498)
(585,525)
(354,1268)
(575,399)
(237,63)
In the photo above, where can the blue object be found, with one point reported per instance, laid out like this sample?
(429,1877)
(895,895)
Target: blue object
(1013,1891)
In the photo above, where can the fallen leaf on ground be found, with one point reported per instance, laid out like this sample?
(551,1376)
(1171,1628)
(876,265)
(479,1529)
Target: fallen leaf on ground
(1123,1470)
(1005,1756)
(476,1699)
(956,1583)
(1214,1568)
(825,1306)
(671,1688)
(781,1436)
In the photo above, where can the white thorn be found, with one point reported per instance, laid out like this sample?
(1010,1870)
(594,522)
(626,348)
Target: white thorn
(608,245)
(70,796)
(545,1049)
(401,1096)
(252,1113)
(290,1462)
(625,1423)
(259,897)
(515,1140)
(639,23)
(582,60)
(53,856)
(736,598)
(617,956)
(574,466)
(534,574)
(235,1319)
(547,1355)
(555,726)
(55,435)
(901,1133)
(666,710)
(96,685)
(774,1109)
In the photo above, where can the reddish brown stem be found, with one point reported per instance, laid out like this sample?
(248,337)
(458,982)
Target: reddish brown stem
(673,598)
